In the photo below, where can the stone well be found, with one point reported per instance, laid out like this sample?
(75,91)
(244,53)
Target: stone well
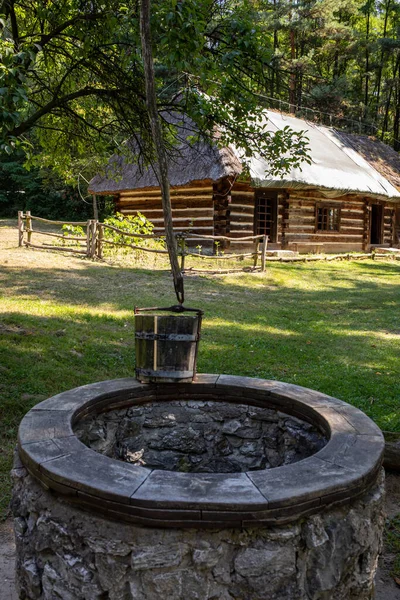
(228,488)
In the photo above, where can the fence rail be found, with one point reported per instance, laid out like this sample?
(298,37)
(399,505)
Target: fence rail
(94,240)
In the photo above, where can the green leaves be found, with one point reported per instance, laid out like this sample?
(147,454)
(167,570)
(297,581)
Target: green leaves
(130,224)
(72,78)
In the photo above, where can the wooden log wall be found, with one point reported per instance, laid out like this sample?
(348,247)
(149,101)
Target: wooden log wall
(354,230)
(396,236)
(227,208)
(221,200)
(389,216)
(241,215)
(192,208)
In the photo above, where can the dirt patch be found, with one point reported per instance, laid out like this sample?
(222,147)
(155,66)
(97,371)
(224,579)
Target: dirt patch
(386,587)
(392,495)
(7,561)
(14,329)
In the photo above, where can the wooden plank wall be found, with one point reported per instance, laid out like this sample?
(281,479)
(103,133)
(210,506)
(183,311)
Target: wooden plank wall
(225,209)
(397,226)
(221,200)
(192,208)
(389,225)
(241,215)
(300,222)
(355,217)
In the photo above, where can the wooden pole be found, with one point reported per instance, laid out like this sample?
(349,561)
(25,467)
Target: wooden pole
(93,238)
(100,237)
(183,252)
(256,253)
(264,252)
(29,225)
(393,225)
(95,209)
(156,130)
(20,228)
(88,231)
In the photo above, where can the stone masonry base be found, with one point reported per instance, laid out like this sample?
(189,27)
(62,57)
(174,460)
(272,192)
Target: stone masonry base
(66,553)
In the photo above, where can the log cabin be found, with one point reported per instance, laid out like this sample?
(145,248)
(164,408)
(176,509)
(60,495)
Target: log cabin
(347,199)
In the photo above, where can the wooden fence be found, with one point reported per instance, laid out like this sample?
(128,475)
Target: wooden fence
(93,242)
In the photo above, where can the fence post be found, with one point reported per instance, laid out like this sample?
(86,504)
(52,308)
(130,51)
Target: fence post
(20,228)
(94,238)
(29,225)
(180,241)
(88,230)
(100,237)
(264,252)
(256,253)
(182,260)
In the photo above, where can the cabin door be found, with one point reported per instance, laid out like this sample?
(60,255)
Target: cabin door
(265,214)
(376,228)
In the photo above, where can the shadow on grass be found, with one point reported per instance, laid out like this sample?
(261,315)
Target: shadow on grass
(341,338)
(120,288)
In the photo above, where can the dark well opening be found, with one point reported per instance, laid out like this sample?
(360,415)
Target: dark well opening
(200,436)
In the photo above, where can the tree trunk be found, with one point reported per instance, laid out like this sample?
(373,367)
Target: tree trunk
(162,167)
(367,66)
(292,82)
(396,121)
(335,75)
(396,68)
(95,209)
(275,71)
(381,62)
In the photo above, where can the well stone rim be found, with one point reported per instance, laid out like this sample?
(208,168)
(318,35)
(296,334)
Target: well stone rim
(345,468)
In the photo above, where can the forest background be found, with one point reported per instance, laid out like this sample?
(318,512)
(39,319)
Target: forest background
(330,61)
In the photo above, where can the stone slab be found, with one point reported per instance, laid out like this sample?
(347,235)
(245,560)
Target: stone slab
(96,474)
(80,396)
(306,480)
(35,453)
(42,425)
(354,451)
(359,420)
(199,490)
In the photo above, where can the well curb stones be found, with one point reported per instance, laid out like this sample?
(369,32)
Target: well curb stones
(346,467)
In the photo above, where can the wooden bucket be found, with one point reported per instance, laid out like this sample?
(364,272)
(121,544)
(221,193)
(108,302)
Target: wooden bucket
(166,344)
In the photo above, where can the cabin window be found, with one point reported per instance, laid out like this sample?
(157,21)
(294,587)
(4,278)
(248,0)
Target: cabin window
(327,217)
(265,214)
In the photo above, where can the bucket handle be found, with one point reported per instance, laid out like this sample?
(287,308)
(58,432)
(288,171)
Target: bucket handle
(177,308)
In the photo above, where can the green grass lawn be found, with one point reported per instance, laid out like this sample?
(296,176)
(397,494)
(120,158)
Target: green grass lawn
(66,321)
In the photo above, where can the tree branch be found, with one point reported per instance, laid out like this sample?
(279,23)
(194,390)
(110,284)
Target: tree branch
(59,102)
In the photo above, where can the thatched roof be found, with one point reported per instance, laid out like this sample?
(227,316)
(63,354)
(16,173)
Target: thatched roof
(187,162)
(381,156)
(340,163)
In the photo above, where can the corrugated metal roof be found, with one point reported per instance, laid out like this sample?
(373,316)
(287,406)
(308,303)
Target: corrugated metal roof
(335,165)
